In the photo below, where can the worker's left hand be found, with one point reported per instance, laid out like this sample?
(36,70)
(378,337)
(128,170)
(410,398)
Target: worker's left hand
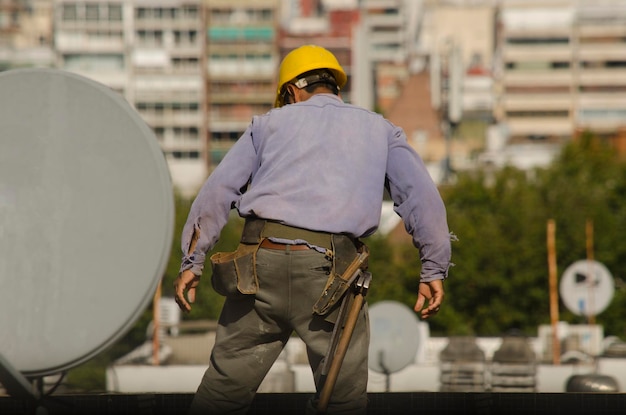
(429,298)
(186,281)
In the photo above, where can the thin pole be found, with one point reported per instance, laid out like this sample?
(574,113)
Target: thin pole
(589,234)
(156,317)
(554,299)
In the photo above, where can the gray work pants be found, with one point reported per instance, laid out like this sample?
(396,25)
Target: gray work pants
(253,331)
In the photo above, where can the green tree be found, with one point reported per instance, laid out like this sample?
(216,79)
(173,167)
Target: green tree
(588,182)
(500,280)
(497,221)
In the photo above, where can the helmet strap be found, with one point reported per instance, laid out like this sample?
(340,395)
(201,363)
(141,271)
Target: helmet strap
(316,78)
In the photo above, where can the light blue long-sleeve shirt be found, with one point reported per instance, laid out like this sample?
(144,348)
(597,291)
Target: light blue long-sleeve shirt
(322,165)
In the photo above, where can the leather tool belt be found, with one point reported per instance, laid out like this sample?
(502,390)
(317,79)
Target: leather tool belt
(234,273)
(255,230)
(349,255)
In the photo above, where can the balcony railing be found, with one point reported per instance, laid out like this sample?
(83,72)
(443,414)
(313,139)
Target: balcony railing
(171,118)
(541,127)
(66,42)
(602,51)
(608,76)
(548,53)
(537,102)
(556,77)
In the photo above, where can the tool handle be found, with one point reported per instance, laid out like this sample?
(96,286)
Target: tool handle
(340,353)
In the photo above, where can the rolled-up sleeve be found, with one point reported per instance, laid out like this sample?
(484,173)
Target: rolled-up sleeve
(418,202)
(210,210)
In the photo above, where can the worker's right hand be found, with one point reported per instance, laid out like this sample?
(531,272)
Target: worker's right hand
(429,298)
(186,283)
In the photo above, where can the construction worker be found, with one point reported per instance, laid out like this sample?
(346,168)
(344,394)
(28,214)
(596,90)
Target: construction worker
(309,178)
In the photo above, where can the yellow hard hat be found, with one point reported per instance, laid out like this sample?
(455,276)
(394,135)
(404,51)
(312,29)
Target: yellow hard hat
(304,59)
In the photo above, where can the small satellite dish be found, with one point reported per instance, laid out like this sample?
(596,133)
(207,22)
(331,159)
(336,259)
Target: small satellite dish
(586,287)
(86,219)
(394,338)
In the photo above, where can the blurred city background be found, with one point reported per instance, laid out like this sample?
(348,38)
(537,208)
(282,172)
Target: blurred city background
(518,108)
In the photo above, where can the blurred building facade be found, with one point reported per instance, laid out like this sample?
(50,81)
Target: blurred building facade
(242,56)
(530,74)
(151,52)
(25,33)
(560,69)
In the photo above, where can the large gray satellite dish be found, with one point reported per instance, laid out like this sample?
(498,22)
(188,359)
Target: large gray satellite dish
(394,336)
(86,219)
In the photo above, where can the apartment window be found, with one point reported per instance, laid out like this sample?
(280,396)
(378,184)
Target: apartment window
(141,13)
(616,64)
(92,12)
(69,12)
(385,46)
(159,132)
(163,13)
(190,12)
(184,37)
(115,12)
(219,15)
(184,106)
(225,135)
(185,154)
(537,114)
(156,13)
(536,66)
(185,63)
(170,13)
(186,133)
(161,107)
(610,89)
(538,41)
(259,15)
(150,37)
(266,15)
(603,64)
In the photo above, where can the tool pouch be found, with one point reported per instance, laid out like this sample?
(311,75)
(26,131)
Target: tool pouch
(234,273)
(350,256)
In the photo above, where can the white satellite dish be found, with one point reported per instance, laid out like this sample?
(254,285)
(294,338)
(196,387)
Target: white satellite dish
(394,338)
(86,219)
(586,287)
